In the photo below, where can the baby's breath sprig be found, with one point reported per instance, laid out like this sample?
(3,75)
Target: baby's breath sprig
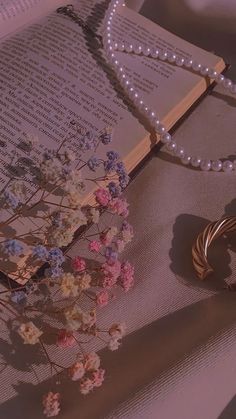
(66,293)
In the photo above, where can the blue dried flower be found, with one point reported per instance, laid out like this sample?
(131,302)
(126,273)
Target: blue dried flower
(12,247)
(40,252)
(109,166)
(114,189)
(18,297)
(54,272)
(111,255)
(124,180)
(106,136)
(12,200)
(93,163)
(113,155)
(120,168)
(87,142)
(55,257)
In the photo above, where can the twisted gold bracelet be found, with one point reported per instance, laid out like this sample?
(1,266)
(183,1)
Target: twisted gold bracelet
(200,247)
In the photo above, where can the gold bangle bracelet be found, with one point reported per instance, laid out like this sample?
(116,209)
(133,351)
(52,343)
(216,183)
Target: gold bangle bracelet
(201,245)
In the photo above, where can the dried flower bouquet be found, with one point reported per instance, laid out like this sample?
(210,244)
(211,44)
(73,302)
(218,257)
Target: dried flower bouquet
(63,298)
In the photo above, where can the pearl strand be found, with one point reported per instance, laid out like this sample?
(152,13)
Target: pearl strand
(110,49)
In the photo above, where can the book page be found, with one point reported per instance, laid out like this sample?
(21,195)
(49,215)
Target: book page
(17,13)
(52,73)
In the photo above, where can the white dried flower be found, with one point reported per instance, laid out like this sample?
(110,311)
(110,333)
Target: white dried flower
(69,156)
(69,285)
(31,139)
(94,215)
(85,281)
(117,330)
(29,333)
(113,344)
(74,317)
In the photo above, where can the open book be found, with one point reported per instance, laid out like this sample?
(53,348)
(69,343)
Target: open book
(50,74)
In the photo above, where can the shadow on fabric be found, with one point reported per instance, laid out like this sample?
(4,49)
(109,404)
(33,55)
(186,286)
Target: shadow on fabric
(146,355)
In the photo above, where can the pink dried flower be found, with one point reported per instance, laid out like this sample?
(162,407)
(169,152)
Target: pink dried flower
(107,236)
(119,206)
(51,404)
(95,246)
(102,298)
(65,339)
(78,264)
(111,271)
(76,371)
(120,245)
(127,276)
(91,361)
(86,386)
(103,196)
(108,282)
(98,377)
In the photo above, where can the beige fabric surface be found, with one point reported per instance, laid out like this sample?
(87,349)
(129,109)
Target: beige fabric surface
(178,360)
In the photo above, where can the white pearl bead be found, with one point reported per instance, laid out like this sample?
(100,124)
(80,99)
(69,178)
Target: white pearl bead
(166,138)
(147,52)
(128,47)
(154,53)
(180,61)
(188,62)
(233,89)
(160,129)
(138,49)
(196,66)
(216,165)
(227,83)
(196,161)
(204,71)
(213,74)
(205,165)
(171,146)
(180,152)
(186,160)
(151,114)
(163,55)
(227,166)
(171,57)
(220,78)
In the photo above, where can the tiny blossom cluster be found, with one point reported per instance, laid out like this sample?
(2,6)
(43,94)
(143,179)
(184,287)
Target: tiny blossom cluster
(87,371)
(62,298)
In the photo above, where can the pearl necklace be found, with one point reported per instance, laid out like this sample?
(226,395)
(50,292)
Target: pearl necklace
(110,49)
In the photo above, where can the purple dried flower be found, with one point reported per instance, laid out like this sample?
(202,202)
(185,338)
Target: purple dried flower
(106,136)
(120,168)
(40,252)
(12,200)
(114,189)
(124,180)
(93,163)
(87,142)
(18,297)
(12,247)
(55,257)
(111,255)
(112,155)
(109,166)
(54,272)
